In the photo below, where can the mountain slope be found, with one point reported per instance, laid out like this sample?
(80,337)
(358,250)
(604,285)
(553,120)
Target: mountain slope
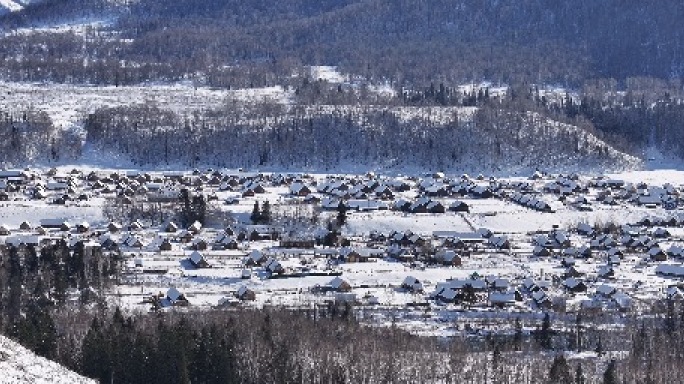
(19,365)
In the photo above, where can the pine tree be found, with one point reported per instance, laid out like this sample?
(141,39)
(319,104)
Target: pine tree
(579,375)
(560,371)
(546,333)
(341,214)
(37,331)
(518,335)
(94,359)
(266,217)
(610,374)
(256,213)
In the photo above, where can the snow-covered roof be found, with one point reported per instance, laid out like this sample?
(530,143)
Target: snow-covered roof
(173,294)
(196,257)
(337,282)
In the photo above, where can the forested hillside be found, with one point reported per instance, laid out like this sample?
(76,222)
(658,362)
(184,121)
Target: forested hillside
(619,66)
(494,139)
(401,40)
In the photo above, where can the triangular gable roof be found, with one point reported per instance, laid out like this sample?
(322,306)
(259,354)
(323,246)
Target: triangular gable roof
(337,282)
(173,294)
(196,257)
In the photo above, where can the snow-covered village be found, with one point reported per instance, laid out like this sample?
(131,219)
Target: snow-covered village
(341,191)
(437,254)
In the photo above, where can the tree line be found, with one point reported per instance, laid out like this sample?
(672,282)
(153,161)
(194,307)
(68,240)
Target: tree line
(329,343)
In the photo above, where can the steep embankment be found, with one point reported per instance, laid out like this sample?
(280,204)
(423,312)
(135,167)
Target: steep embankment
(19,365)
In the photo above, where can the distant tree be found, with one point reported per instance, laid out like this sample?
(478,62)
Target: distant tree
(518,335)
(599,347)
(578,332)
(496,357)
(186,207)
(670,317)
(468,295)
(199,209)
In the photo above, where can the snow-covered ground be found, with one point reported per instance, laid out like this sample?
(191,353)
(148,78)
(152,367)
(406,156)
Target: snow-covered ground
(19,365)
(66,104)
(77,27)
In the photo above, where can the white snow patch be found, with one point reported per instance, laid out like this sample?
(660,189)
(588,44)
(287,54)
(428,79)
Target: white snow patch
(68,104)
(10,5)
(19,365)
(328,73)
(78,27)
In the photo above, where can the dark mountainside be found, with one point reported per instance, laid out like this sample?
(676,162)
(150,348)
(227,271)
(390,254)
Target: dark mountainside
(404,41)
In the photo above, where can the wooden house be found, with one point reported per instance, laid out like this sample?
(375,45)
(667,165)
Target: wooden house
(165,245)
(274,267)
(200,244)
(245,294)
(114,227)
(171,227)
(573,285)
(195,228)
(448,257)
(198,261)
(412,284)
(339,284)
(83,227)
(255,257)
(459,206)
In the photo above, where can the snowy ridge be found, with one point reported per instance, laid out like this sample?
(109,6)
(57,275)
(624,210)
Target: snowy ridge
(10,6)
(15,5)
(19,365)
(592,142)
